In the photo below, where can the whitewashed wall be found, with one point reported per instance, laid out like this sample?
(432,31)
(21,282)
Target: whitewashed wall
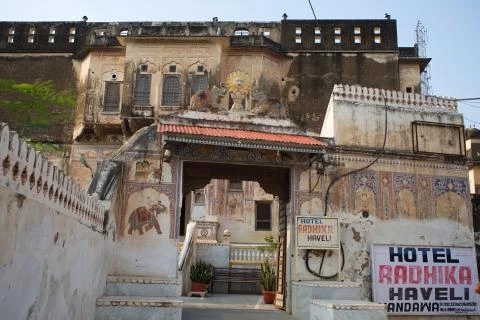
(54,256)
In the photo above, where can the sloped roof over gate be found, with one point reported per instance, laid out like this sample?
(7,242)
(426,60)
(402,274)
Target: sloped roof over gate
(240,138)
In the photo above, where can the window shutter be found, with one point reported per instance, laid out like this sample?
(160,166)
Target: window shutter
(171,91)
(111,99)
(142,90)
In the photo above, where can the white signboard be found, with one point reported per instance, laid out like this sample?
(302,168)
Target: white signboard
(317,233)
(425,280)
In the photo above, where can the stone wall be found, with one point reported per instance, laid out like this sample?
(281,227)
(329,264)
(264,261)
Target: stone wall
(54,253)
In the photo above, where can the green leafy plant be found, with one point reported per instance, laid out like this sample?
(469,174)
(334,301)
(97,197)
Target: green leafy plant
(271,244)
(37,104)
(268,276)
(201,272)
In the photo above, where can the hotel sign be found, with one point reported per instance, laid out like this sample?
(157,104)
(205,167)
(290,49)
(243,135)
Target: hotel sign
(317,232)
(425,280)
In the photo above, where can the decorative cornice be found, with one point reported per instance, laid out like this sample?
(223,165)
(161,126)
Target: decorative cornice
(377,96)
(398,162)
(243,143)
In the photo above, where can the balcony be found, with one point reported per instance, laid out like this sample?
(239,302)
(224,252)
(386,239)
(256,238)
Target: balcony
(253,41)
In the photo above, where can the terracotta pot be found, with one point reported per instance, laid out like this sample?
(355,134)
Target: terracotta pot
(269,296)
(199,287)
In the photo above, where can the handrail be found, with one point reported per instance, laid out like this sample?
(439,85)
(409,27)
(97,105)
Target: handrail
(187,245)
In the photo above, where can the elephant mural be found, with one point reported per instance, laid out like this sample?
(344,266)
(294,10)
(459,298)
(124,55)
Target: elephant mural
(145,217)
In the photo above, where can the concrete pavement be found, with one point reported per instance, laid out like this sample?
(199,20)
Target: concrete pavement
(230,307)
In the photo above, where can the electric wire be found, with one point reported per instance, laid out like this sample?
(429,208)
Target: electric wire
(471,120)
(342,253)
(313,11)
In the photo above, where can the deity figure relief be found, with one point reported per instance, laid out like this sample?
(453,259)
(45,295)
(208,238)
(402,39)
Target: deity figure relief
(238,84)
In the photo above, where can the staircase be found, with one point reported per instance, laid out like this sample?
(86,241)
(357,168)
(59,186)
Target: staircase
(329,300)
(140,298)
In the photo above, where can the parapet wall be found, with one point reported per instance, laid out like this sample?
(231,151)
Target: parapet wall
(54,255)
(32,175)
(392,98)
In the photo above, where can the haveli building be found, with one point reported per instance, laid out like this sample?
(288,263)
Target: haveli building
(219,134)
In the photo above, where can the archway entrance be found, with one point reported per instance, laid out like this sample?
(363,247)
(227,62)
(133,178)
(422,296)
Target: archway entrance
(273,180)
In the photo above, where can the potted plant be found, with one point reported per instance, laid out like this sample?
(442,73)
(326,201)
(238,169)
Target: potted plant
(200,273)
(268,280)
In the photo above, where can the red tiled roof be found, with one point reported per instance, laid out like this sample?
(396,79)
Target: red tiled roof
(241,134)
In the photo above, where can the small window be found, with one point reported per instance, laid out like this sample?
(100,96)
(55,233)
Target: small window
(51,39)
(172,68)
(111,99)
(338,30)
(409,90)
(71,39)
(31,31)
(357,39)
(298,40)
(11,39)
(338,39)
(263,216)
(241,32)
(30,39)
(266,34)
(357,30)
(141,95)
(143,67)
(318,30)
(171,91)
(378,39)
(318,40)
(235,185)
(298,30)
(11,31)
(72,31)
(52,30)
(200,69)
(376,30)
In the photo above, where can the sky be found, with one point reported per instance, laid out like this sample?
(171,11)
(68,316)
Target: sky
(453,27)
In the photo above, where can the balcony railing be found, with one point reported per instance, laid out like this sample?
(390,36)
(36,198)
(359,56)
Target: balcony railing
(250,254)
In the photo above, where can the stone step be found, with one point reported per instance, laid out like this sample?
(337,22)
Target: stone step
(347,309)
(304,291)
(138,308)
(118,285)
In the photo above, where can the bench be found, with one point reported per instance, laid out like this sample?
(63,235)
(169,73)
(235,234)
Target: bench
(247,280)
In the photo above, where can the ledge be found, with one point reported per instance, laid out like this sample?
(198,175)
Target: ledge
(122,301)
(349,304)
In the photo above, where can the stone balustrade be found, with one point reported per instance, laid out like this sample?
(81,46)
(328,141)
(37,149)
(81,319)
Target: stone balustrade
(29,173)
(250,254)
(396,98)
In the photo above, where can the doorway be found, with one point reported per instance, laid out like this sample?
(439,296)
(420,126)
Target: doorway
(274,180)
